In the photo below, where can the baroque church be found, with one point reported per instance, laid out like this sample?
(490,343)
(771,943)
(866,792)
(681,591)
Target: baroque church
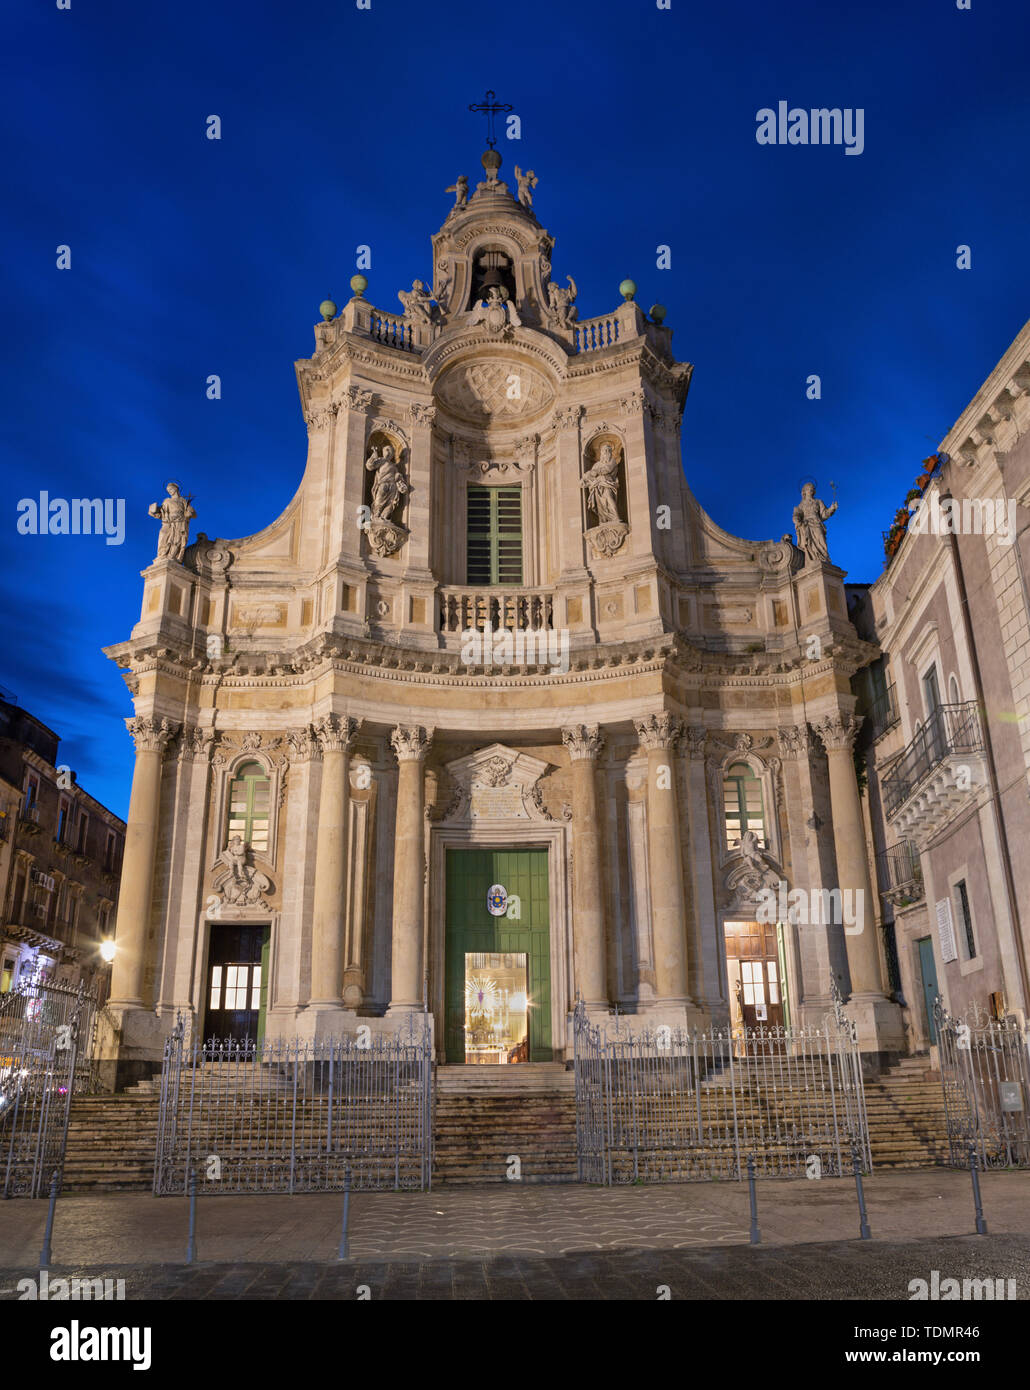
(494,717)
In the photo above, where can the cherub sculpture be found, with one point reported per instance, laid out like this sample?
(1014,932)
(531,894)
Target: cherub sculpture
(418,302)
(527,182)
(460,189)
(560,302)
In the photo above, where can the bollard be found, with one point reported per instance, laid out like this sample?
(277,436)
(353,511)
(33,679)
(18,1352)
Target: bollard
(342,1255)
(191,1245)
(863,1223)
(756,1234)
(44,1258)
(981,1224)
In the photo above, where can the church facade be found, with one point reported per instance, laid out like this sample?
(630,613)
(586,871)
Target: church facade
(493,717)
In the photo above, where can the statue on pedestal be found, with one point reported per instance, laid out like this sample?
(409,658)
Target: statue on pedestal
(418,303)
(175,514)
(460,189)
(527,182)
(810,516)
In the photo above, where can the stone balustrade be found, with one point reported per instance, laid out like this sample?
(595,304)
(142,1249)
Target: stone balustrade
(592,334)
(517,610)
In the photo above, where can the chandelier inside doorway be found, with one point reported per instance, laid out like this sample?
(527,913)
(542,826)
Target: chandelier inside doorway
(496,1008)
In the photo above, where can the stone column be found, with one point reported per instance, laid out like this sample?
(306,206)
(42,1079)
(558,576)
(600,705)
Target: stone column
(588,897)
(411,744)
(658,734)
(151,736)
(335,734)
(878,1021)
(705,974)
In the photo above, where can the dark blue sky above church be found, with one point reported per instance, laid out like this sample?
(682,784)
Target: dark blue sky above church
(342,127)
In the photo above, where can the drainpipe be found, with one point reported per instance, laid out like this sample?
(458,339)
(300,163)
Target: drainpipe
(992,769)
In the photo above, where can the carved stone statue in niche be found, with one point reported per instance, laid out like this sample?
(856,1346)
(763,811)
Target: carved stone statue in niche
(602,488)
(175,514)
(810,517)
(384,535)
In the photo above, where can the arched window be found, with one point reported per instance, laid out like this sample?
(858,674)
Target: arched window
(249,806)
(742,800)
(953,694)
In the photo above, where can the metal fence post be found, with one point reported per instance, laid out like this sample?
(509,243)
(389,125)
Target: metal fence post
(981,1224)
(44,1257)
(755,1233)
(342,1253)
(863,1225)
(191,1244)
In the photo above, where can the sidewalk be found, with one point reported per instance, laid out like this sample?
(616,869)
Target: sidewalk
(139,1231)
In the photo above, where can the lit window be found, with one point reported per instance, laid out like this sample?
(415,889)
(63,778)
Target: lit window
(742,804)
(216,986)
(249,806)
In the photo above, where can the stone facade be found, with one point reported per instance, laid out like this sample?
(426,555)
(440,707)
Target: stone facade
(589,696)
(949,744)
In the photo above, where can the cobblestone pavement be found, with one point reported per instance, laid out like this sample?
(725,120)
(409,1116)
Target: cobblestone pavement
(485,1223)
(854,1270)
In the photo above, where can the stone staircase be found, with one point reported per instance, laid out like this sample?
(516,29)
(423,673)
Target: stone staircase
(485,1115)
(112,1141)
(905,1109)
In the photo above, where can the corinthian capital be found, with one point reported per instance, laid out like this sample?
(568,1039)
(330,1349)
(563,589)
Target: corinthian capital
(420,414)
(410,742)
(795,740)
(658,730)
(838,731)
(151,735)
(695,737)
(301,744)
(583,741)
(566,418)
(353,398)
(335,733)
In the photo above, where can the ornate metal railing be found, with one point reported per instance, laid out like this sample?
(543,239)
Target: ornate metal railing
(516,610)
(46,1047)
(985,1072)
(296,1116)
(950,729)
(666,1105)
(901,873)
(883,712)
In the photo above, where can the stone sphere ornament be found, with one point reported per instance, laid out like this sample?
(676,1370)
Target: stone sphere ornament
(327,309)
(627,289)
(359,285)
(658,312)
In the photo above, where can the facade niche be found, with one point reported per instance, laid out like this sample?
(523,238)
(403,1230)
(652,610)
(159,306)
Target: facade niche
(604,489)
(386,491)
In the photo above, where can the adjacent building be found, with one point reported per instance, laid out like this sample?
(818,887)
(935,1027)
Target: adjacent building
(947,737)
(60,861)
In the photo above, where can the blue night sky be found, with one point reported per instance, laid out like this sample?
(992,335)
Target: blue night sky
(343,126)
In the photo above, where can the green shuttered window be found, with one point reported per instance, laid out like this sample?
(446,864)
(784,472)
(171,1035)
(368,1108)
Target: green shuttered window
(494,541)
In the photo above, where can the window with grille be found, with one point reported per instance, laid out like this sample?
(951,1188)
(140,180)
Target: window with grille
(494,536)
(742,800)
(966,917)
(249,803)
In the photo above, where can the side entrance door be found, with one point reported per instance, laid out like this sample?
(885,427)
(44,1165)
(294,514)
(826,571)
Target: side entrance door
(928,975)
(237,981)
(498,967)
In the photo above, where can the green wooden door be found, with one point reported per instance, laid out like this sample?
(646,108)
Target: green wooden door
(472,928)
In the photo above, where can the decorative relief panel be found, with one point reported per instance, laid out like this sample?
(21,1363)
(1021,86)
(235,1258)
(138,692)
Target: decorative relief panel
(494,391)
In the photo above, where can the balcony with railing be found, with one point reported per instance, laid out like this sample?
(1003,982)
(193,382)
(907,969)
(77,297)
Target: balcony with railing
(902,874)
(939,772)
(882,714)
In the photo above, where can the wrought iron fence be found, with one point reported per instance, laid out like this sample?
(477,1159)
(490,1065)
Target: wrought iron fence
(46,1047)
(985,1072)
(296,1116)
(672,1106)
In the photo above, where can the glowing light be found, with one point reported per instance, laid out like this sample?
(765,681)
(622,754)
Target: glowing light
(108,949)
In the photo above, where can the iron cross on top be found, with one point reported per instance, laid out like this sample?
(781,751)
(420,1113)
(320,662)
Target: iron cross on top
(490,109)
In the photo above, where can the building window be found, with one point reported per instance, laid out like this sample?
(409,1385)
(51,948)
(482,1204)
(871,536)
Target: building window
(63,815)
(109,853)
(31,793)
(742,800)
(83,831)
(249,804)
(965,917)
(494,537)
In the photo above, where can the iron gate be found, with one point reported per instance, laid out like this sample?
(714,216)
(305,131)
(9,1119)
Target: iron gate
(985,1072)
(296,1116)
(665,1105)
(46,1057)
